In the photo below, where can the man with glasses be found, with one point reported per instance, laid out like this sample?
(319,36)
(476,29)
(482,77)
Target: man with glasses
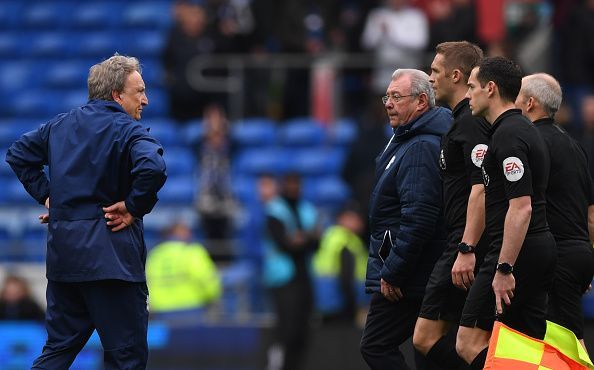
(406,223)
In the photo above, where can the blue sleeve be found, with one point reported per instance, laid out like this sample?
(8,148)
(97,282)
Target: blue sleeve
(419,188)
(26,157)
(148,172)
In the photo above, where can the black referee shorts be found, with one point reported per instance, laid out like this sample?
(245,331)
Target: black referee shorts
(573,275)
(533,273)
(443,300)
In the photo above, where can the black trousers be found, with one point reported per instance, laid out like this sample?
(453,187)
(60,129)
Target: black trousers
(117,309)
(293,306)
(388,325)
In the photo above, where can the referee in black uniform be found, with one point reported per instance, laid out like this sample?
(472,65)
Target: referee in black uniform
(520,263)
(462,152)
(569,200)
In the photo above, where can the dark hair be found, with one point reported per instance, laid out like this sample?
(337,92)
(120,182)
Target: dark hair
(506,74)
(461,55)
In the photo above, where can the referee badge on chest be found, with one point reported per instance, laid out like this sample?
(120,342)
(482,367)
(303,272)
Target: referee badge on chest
(442,162)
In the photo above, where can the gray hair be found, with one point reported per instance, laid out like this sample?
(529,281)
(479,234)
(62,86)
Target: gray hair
(110,75)
(545,89)
(419,83)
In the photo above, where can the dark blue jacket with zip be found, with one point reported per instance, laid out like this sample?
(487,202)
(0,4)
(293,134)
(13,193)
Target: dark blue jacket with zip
(405,213)
(97,155)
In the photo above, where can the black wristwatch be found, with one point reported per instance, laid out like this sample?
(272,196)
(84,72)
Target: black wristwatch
(465,248)
(505,268)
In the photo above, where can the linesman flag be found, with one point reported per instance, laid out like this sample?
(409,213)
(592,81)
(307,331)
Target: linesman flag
(560,350)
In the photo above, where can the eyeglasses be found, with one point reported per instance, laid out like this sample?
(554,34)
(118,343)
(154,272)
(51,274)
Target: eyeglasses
(395,98)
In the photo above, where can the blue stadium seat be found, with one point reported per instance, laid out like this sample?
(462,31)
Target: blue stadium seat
(70,99)
(245,189)
(17,76)
(158,103)
(143,44)
(15,192)
(343,132)
(152,73)
(302,132)
(164,130)
(98,45)
(10,14)
(192,132)
(150,15)
(33,103)
(179,161)
(329,192)
(178,190)
(67,74)
(254,132)
(11,45)
(46,15)
(316,161)
(50,45)
(5,170)
(258,161)
(97,15)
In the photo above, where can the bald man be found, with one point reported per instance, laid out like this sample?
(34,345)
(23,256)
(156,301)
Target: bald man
(569,202)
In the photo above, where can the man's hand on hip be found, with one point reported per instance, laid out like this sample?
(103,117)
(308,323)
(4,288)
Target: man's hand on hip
(117,216)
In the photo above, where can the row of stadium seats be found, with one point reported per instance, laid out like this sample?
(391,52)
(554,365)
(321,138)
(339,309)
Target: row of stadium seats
(95,44)
(18,75)
(252,133)
(80,15)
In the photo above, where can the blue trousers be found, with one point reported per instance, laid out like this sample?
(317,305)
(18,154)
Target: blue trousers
(116,308)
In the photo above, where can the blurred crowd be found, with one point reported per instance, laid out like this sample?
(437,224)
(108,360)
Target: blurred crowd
(543,36)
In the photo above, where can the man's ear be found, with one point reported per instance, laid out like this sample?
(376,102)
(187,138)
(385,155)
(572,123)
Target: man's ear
(491,88)
(456,75)
(116,96)
(423,101)
(531,104)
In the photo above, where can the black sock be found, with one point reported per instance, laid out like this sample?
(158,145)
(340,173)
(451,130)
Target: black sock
(479,361)
(444,353)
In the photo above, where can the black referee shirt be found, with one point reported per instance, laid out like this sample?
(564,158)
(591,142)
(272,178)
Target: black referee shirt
(462,151)
(517,164)
(569,192)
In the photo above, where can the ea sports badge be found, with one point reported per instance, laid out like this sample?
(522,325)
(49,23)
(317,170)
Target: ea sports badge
(478,154)
(513,168)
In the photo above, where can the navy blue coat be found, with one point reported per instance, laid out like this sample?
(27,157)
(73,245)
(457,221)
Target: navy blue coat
(97,155)
(405,211)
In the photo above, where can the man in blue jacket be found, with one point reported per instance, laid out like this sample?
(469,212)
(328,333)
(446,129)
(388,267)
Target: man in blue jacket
(104,173)
(406,221)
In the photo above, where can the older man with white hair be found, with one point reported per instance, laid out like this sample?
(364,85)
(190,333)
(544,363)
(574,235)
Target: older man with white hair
(406,218)
(570,202)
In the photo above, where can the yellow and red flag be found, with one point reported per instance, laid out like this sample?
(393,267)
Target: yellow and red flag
(560,350)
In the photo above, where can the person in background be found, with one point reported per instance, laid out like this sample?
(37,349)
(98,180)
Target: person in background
(570,202)
(105,170)
(406,218)
(180,274)
(16,302)
(192,35)
(292,236)
(397,33)
(339,268)
(215,201)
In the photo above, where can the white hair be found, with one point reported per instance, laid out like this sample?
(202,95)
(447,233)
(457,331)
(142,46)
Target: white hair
(545,89)
(419,83)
